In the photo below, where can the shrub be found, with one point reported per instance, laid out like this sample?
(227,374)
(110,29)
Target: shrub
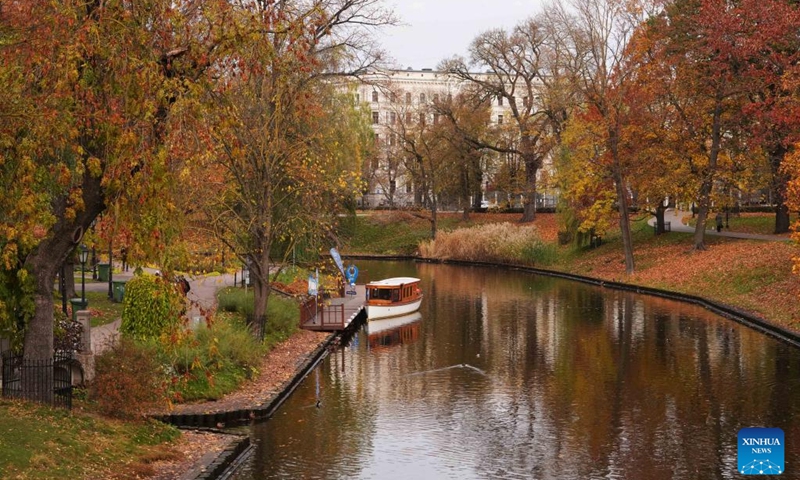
(129,381)
(151,306)
(235,300)
(208,362)
(283,318)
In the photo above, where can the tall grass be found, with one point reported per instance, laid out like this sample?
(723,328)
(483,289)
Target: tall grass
(494,242)
(283,314)
(212,360)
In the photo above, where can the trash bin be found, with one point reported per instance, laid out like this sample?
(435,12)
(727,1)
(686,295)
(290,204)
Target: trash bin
(118,290)
(77,304)
(103,269)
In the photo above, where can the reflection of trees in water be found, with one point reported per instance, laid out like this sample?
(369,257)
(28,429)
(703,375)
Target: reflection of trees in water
(560,380)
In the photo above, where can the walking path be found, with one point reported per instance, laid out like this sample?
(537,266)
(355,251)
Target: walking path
(675,217)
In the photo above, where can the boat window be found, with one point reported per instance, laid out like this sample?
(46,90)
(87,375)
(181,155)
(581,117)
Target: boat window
(396,295)
(380,293)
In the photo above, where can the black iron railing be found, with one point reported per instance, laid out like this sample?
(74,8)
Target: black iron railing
(47,381)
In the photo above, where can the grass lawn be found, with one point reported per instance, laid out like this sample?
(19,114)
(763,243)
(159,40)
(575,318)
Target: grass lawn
(103,310)
(38,442)
(758,223)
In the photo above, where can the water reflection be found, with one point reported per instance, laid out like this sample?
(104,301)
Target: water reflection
(511,375)
(390,332)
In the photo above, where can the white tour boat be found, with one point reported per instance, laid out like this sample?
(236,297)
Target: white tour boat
(393,297)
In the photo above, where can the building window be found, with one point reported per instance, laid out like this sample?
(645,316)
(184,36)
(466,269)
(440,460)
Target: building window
(408,188)
(435,118)
(375,163)
(358,98)
(499,101)
(375,118)
(422,118)
(393,97)
(392,118)
(421,98)
(499,119)
(435,98)
(408,118)
(377,139)
(408,97)
(391,139)
(374,96)
(392,185)
(526,102)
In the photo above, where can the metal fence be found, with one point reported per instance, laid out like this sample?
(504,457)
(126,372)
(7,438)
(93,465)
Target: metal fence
(46,381)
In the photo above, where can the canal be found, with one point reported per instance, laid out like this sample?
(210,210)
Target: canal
(507,374)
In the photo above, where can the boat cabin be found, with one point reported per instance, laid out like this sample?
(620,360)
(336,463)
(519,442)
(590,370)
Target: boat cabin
(393,290)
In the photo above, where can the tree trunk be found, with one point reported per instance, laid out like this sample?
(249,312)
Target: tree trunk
(660,224)
(702,216)
(622,205)
(37,383)
(259,278)
(708,179)
(434,219)
(776,154)
(43,264)
(532,165)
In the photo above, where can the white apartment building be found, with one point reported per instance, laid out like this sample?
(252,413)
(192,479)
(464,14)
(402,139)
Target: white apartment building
(396,98)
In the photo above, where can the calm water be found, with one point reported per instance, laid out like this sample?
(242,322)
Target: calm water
(511,375)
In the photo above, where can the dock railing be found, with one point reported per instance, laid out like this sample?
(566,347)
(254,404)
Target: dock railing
(316,315)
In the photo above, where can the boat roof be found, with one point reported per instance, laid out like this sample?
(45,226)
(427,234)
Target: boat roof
(393,282)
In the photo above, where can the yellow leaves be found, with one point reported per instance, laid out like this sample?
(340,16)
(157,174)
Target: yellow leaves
(95,166)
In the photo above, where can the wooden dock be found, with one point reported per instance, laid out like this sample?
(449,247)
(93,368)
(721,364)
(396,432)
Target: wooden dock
(332,314)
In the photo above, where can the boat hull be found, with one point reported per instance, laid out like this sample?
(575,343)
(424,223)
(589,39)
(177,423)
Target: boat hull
(394,310)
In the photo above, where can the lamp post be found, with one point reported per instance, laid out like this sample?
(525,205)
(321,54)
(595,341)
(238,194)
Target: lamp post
(63,288)
(110,270)
(84,255)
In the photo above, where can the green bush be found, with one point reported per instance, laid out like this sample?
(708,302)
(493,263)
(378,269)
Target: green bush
(129,381)
(151,307)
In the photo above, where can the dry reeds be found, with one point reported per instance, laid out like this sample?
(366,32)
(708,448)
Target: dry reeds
(494,242)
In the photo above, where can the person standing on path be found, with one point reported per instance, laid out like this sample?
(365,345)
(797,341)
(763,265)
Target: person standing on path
(719,222)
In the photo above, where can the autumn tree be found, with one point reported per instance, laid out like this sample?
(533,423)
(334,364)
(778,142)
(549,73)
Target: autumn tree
(518,69)
(689,71)
(462,122)
(88,91)
(595,35)
(288,145)
(425,154)
(767,46)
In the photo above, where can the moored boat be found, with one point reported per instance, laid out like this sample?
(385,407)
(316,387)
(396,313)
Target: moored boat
(393,297)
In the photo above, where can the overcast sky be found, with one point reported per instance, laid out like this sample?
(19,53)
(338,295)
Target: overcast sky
(437,29)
